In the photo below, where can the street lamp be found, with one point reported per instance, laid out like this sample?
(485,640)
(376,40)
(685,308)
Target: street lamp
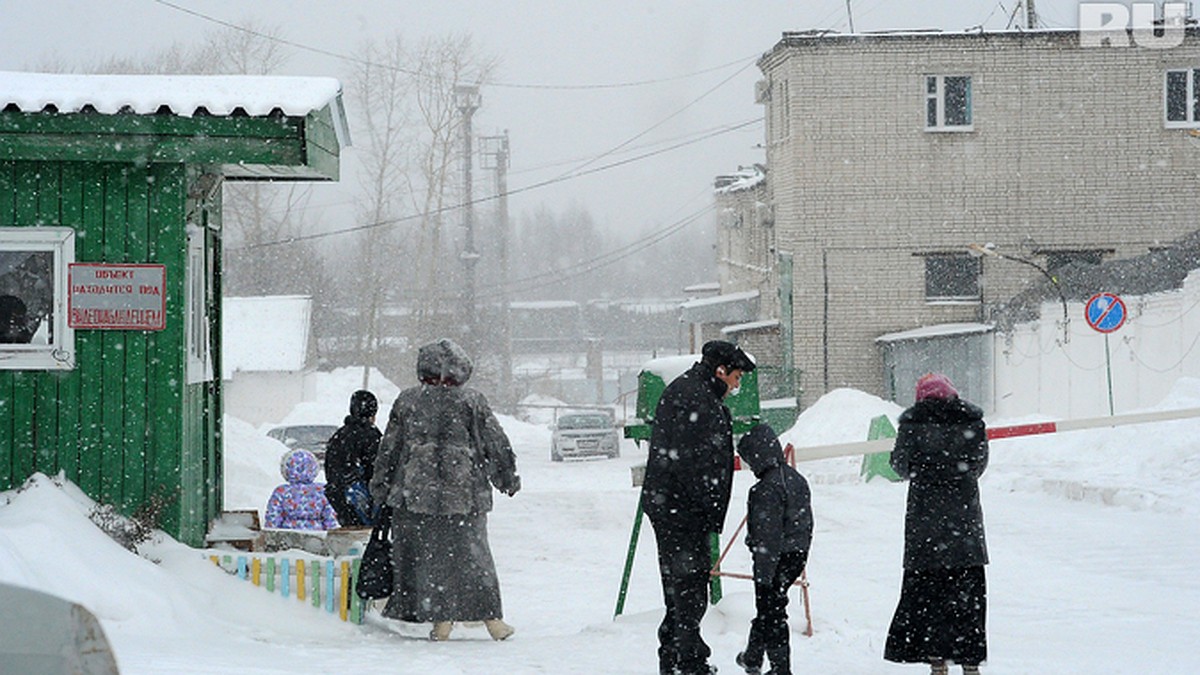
(989,249)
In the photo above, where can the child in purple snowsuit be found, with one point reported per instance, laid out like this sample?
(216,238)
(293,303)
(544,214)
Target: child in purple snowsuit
(300,504)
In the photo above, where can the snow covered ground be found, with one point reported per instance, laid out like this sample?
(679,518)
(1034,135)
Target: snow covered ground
(1094,539)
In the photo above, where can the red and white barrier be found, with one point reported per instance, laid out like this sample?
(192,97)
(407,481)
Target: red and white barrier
(995,433)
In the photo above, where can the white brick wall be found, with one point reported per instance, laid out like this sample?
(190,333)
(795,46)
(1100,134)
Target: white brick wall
(1068,151)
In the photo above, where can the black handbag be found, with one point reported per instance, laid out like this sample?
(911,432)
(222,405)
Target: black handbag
(375,570)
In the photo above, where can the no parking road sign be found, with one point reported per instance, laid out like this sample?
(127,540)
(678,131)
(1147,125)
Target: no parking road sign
(1105,312)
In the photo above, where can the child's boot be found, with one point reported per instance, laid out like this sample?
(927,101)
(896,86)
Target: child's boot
(781,661)
(441,631)
(498,629)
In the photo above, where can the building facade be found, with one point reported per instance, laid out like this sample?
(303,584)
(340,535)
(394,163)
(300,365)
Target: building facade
(889,154)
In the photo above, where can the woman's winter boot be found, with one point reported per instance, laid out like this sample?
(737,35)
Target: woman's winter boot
(939,668)
(747,664)
(498,629)
(441,631)
(970,670)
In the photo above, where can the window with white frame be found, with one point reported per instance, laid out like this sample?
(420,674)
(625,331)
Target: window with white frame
(34,331)
(952,277)
(1181,109)
(948,103)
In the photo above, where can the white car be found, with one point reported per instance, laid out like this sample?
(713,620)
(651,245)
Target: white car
(585,434)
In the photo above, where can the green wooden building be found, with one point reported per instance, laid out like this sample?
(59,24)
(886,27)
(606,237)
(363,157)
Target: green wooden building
(110,271)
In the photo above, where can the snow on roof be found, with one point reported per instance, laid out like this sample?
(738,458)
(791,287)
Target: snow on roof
(744,178)
(721,299)
(940,330)
(749,326)
(707,287)
(544,304)
(183,94)
(265,334)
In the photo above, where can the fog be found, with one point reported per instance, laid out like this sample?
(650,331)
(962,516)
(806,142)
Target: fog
(618,116)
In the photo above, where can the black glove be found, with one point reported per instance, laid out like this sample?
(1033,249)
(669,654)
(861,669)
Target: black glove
(514,487)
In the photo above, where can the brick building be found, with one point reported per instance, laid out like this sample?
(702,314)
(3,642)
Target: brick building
(887,154)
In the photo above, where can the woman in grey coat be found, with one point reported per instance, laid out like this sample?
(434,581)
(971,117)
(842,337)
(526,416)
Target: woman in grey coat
(942,449)
(442,452)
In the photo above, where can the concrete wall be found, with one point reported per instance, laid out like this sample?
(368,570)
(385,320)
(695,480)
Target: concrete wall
(1036,372)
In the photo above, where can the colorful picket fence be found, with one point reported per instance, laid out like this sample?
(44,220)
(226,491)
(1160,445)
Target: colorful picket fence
(325,583)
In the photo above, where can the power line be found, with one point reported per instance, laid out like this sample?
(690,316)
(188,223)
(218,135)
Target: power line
(509,85)
(558,275)
(695,136)
(660,122)
(447,209)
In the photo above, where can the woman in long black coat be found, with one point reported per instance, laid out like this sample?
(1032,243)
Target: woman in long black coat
(942,449)
(441,455)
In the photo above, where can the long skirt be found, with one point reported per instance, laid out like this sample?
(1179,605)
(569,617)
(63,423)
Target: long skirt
(443,569)
(942,615)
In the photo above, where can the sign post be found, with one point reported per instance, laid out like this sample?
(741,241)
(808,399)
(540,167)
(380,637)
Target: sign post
(1105,313)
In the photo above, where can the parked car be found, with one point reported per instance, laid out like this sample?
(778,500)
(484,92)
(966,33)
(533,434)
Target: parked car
(585,434)
(311,437)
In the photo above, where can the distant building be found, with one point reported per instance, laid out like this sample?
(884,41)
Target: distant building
(267,351)
(888,154)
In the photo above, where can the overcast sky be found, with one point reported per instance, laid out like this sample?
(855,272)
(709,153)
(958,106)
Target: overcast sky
(696,55)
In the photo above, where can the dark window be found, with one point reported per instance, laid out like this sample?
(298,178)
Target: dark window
(952,276)
(948,102)
(1057,259)
(1182,107)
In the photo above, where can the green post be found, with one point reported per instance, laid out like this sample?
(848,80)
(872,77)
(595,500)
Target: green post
(633,539)
(714,583)
(357,608)
(878,464)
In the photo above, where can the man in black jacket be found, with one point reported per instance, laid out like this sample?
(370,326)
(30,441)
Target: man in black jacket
(349,461)
(689,474)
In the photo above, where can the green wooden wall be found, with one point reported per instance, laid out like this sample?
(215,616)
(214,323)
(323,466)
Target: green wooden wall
(123,424)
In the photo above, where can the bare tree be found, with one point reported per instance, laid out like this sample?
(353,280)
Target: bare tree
(381,86)
(408,152)
(441,66)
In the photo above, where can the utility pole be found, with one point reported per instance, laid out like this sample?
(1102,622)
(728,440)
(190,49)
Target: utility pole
(849,16)
(494,155)
(467,99)
(1030,15)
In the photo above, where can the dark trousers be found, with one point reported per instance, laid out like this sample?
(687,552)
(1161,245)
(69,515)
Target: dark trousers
(684,560)
(769,632)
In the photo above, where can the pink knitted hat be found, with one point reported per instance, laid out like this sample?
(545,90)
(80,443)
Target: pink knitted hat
(935,385)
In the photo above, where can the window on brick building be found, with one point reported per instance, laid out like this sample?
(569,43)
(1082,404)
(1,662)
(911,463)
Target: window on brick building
(1057,259)
(952,277)
(1182,109)
(948,103)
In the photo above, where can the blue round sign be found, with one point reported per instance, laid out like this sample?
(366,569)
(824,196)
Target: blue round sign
(1105,312)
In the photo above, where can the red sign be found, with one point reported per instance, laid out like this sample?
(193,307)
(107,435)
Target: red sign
(1105,312)
(117,297)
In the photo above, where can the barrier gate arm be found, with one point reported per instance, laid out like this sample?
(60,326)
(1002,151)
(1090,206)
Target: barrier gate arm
(994,433)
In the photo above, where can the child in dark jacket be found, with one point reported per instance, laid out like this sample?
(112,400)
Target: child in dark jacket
(779,533)
(350,460)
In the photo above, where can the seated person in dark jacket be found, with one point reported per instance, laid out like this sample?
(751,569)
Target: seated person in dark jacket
(779,533)
(14,321)
(349,461)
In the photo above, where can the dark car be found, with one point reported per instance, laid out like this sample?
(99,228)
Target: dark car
(311,437)
(585,434)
